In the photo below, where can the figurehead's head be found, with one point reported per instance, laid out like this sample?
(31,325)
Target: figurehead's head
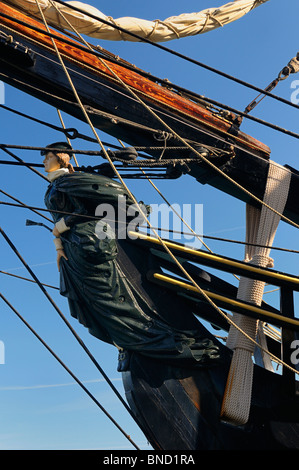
(57,158)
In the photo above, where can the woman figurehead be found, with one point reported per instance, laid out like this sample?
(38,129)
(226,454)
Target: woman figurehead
(55,159)
(56,163)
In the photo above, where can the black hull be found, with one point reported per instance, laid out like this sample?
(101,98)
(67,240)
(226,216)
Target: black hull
(183,408)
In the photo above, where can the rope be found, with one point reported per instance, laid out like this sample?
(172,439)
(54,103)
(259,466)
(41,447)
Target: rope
(26,206)
(27,279)
(182,56)
(192,233)
(151,112)
(79,102)
(69,371)
(2,147)
(121,180)
(261,227)
(178,88)
(80,341)
(111,163)
(62,123)
(179,216)
(227,317)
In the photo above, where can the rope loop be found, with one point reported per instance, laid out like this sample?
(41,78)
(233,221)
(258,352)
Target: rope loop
(71,133)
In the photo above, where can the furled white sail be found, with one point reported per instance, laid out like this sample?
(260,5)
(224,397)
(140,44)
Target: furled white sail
(174,27)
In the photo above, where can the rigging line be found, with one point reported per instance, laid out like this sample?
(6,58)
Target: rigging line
(147,160)
(178,215)
(128,88)
(159,170)
(80,341)
(50,210)
(210,301)
(6,162)
(70,132)
(192,233)
(178,54)
(271,291)
(152,164)
(243,114)
(222,239)
(2,147)
(69,371)
(25,205)
(30,147)
(29,280)
(69,142)
(255,119)
(168,203)
(216,103)
(172,208)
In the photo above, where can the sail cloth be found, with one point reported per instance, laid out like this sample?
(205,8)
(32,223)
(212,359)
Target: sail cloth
(174,27)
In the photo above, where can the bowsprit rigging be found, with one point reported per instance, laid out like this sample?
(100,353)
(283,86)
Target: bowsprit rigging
(183,134)
(69,371)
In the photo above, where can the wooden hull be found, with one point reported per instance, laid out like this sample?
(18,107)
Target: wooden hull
(183,408)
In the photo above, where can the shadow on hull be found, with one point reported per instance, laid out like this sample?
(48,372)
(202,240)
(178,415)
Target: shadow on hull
(180,409)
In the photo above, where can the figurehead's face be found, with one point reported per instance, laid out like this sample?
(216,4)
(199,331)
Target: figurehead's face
(52,163)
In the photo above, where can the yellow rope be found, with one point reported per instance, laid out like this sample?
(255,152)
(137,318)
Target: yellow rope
(161,120)
(62,123)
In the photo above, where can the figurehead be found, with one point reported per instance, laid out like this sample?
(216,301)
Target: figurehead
(58,155)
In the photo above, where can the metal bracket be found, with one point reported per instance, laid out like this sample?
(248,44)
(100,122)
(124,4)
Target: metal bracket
(24,57)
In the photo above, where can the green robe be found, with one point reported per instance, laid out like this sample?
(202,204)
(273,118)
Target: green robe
(99,294)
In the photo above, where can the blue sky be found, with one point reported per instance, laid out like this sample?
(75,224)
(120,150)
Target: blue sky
(40,405)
